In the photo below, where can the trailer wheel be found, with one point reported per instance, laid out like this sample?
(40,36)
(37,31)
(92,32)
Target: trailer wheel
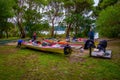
(67,50)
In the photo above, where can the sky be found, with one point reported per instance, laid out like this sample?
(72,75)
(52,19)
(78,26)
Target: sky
(96,2)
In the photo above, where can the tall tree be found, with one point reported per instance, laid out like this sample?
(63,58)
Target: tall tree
(19,11)
(105,3)
(69,9)
(108,22)
(54,12)
(77,9)
(28,15)
(6,12)
(32,16)
(102,5)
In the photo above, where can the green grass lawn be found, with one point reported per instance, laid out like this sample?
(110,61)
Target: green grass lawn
(26,64)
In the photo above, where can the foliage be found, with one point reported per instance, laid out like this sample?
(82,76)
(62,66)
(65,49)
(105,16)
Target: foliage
(6,9)
(54,13)
(18,17)
(75,14)
(108,21)
(103,4)
(39,15)
(6,13)
(32,22)
(81,23)
(30,15)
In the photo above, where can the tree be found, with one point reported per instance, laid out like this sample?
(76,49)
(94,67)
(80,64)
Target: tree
(19,11)
(32,16)
(75,12)
(53,13)
(105,3)
(108,22)
(28,15)
(102,5)
(6,12)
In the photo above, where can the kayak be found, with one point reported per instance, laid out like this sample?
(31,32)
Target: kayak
(54,48)
(44,48)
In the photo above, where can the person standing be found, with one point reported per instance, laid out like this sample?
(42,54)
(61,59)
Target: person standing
(91,34)
(34,36)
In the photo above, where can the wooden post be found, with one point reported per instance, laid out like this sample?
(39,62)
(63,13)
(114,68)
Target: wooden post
(90,51)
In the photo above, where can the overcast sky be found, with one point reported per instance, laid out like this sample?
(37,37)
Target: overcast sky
(96,2)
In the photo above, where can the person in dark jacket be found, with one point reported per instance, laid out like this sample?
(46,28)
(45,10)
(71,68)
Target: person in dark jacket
(91,35)
(102,45)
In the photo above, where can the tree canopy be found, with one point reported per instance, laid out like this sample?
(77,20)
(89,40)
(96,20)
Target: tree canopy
(108,22)
(27,16)
(6,12)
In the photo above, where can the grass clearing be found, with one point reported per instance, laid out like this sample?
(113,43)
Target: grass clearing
(26,64)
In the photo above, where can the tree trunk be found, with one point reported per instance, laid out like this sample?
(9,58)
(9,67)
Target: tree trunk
(76,30)
(68,29)
(6,34)
(0,34)
(56,12)
(22,32)
(52,30)
(19,19)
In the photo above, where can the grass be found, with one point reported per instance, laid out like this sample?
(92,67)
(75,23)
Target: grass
(26,64)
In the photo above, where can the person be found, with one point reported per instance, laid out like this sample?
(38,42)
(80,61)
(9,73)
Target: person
(102,45)
(68,38)
(34,36)
(20,41)
(91,34)
(74,39)
(89,43)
